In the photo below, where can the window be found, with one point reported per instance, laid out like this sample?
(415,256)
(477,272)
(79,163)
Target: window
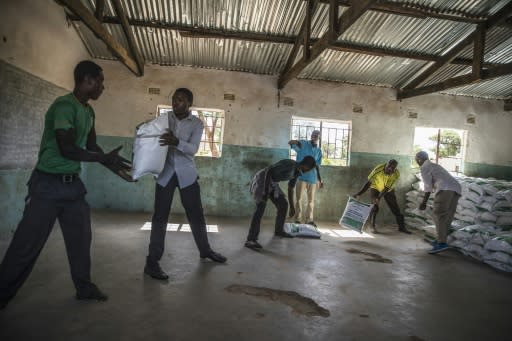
(213,120)
(334,138)
(445,147)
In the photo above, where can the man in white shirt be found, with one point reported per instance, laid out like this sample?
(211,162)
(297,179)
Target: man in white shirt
(448,192)
(183,139)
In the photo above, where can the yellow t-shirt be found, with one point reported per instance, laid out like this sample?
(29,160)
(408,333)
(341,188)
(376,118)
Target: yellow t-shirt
(379,180)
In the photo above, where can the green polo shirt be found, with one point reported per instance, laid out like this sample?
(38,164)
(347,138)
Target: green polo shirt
(65,113)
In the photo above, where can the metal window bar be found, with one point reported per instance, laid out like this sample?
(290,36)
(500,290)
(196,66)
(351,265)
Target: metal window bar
(334,142)
(213,122)
(441,142)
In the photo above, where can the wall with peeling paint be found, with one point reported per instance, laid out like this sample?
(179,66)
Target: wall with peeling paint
(255,118)
(36,38)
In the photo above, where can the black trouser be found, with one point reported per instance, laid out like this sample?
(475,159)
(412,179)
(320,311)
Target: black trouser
(48,199)
(282,207)
(390,198)
(191,201)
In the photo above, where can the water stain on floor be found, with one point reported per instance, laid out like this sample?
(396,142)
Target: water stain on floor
(361,244)
(415,338)
(374,257)
(300,304)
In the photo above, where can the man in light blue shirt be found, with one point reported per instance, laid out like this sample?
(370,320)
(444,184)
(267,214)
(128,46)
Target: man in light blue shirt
(183,138)
(309,181)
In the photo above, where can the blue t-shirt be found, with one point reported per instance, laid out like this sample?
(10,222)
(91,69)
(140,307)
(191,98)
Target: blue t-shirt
(304,150)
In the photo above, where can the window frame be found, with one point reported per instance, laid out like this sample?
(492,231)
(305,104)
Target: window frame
(321,126)
(463,147)
(204,138)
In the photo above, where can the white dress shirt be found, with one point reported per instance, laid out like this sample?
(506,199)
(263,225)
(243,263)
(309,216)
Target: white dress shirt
(180,158)
(437,178)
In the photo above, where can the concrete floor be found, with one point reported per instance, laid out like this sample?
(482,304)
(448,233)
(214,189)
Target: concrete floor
(382,288)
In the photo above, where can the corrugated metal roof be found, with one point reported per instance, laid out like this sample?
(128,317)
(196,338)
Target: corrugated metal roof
(472,7)
(498,88)
(386,31)
(361,69)
(429,35)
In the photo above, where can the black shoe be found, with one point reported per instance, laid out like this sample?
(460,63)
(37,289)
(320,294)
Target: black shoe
(297,221)
(283,234)
(91,293)
(404,230)
(214,256)
(155,271)
(311,223)
(254,245)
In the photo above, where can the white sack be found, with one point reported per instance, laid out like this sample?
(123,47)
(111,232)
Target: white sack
(504,220)
(355,215)
(301,230)
(502,243)
(148,155)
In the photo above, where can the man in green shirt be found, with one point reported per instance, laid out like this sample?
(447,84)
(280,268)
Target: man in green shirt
(55,190)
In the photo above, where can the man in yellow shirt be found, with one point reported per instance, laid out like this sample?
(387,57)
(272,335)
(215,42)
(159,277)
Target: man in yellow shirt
(381,182)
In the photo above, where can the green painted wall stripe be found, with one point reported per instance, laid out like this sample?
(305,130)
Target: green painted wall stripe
(223,183)
(487,171)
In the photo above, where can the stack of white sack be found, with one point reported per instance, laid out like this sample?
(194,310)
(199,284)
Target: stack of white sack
(482,227)
(485,243)
(485,202)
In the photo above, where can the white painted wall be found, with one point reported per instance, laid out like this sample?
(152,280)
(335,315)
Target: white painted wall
(489,139)
(254,118)
(35,37)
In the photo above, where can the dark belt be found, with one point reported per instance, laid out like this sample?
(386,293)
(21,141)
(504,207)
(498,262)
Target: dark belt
(64,178)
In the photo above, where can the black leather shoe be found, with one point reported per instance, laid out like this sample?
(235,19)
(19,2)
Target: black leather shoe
(404,230)
(214,256)
(254,245)
(312,223)
(283,234)
(91,293)
(156,272)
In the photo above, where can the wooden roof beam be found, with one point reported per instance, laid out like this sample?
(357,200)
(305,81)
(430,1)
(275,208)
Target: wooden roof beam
(455,82)
(415,11)
(208,33)
(303,38)
(121,14)
(347,19)
(100,10)
(498,17)
(478,52)
(88,18)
